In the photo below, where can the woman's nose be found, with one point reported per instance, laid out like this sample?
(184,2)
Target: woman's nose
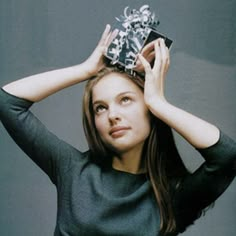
(114,114)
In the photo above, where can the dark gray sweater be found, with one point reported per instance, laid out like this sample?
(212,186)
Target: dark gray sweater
(93,201)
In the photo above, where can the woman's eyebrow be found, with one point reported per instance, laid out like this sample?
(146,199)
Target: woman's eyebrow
(118,95)
(124,93)
(98,102)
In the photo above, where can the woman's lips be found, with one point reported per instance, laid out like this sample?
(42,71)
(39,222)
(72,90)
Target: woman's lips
(118,131)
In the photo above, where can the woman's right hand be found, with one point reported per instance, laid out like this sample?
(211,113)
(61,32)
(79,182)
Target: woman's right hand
(40,86)
(96,61)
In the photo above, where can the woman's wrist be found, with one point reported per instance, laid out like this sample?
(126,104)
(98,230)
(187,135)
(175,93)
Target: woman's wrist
(195,130)
(83,71)
(156,103)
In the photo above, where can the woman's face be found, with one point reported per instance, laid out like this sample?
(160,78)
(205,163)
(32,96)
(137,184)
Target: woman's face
(121,116)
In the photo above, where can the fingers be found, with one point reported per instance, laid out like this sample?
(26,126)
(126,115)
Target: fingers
(107,38)
(146,65)
(155,49)
(150,59)
(148,48)
(164,52)
(161,63)
(111,36)
(105,35)
(162,56)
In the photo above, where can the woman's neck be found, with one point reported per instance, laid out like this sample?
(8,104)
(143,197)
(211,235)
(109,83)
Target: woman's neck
(130,161)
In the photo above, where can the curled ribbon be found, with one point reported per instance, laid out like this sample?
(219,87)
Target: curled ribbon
(136,26)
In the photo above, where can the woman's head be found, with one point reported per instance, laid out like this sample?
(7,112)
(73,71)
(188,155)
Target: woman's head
(116,118)
(119,116)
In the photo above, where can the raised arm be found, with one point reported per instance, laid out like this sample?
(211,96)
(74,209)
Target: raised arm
(196,131)
(37,87)
(42,146)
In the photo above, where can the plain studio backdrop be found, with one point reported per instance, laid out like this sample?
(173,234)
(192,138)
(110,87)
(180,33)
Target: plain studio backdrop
(37,36)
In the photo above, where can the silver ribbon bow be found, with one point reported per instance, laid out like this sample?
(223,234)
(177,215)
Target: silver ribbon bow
(136,26)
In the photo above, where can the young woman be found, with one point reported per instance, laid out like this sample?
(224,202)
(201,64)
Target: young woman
(132,180)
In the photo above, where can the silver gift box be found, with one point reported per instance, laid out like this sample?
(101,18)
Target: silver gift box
(135,30)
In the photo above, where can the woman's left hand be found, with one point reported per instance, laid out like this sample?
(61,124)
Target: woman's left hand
(155,76)
(181,121)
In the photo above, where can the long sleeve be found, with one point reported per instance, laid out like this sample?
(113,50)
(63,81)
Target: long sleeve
(201,188)
(42,146)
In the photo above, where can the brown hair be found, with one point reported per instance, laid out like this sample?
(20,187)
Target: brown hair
(163,163)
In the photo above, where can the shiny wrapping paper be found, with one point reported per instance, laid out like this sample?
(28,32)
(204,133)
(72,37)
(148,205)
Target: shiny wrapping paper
(136,28)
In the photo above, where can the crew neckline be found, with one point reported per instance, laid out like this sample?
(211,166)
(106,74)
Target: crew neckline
(128,173)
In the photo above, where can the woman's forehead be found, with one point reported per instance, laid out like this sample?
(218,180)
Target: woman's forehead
(112,84)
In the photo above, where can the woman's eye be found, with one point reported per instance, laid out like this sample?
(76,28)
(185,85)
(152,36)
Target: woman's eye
(125,99)
(99,109)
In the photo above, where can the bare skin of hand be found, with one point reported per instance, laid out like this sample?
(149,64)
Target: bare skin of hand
(148,52)
(95,61)
(155,76)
